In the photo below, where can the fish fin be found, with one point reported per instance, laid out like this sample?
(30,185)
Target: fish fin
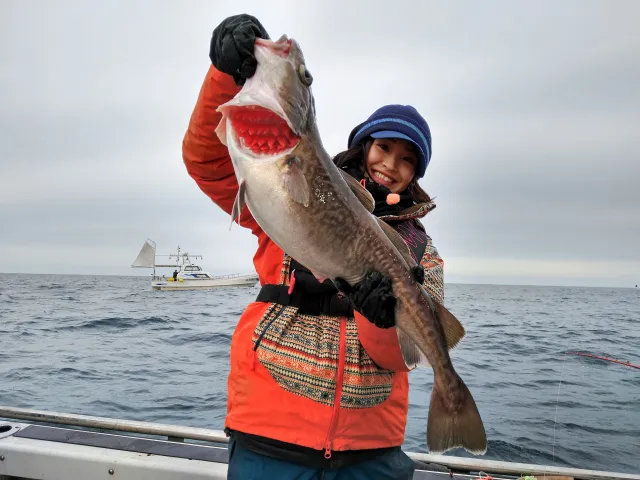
(238,202)
(360,192)
(453,329)
(412,355)
(398,242)
(295,182)
(460,426)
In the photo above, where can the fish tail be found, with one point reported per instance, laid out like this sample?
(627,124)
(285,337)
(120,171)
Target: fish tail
(455,423)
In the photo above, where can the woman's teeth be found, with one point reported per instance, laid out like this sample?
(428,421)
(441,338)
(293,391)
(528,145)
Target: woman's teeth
(382,177)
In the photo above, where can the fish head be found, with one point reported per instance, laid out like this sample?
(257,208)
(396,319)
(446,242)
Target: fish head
(274,109)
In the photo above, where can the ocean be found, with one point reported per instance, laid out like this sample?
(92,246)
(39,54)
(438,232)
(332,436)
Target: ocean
(110,346)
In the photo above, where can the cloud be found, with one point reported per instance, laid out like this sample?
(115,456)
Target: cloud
(534,113)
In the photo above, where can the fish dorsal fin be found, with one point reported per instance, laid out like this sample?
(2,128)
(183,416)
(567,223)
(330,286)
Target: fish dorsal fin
(362,193)
(453,329)
(398,242)
(453,333)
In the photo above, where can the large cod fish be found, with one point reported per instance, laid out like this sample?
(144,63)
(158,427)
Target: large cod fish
(322,217)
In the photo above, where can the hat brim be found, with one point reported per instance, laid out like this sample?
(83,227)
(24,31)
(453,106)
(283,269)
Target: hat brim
(391,134)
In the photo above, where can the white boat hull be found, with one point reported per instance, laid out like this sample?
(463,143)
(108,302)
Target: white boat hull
(199,284)
(26,458)
(29,451)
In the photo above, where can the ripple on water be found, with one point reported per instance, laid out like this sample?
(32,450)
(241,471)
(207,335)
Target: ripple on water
(109,346)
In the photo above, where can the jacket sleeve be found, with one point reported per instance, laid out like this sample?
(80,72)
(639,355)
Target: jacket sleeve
(433,272)
(382,343)
(205,157)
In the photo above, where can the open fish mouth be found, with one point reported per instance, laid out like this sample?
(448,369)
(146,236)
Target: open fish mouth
(261,131)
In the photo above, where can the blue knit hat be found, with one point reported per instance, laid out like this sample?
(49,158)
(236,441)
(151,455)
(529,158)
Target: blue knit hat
(397,121)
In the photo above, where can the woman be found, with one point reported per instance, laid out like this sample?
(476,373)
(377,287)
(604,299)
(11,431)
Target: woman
(303,343)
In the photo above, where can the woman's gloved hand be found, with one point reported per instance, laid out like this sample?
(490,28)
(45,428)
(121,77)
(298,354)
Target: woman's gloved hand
(231,49)
(372,297)
(417,273)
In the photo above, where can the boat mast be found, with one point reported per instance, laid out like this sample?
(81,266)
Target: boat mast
(181,259)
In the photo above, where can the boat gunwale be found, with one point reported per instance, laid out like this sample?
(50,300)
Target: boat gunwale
(180,433)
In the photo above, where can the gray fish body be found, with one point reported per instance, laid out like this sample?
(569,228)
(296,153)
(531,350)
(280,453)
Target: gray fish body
(327,234)
(335,236)
(304,204)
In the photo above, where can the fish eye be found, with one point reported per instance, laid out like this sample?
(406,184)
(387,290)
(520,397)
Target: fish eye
(305,75)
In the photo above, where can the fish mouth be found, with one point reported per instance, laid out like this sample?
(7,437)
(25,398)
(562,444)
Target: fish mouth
(261,131)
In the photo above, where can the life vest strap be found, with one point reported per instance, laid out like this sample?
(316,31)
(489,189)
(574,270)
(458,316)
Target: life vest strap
(331,304)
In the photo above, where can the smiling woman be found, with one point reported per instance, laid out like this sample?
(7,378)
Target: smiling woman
(391,162)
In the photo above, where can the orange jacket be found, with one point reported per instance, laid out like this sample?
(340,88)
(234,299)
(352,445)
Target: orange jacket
(287,368)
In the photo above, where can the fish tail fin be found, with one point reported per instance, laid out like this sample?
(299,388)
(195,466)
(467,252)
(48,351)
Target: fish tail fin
(460,426)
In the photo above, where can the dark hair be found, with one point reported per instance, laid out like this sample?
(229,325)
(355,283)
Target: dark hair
(354,158)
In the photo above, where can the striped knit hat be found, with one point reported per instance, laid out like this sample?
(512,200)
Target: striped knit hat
(397,121)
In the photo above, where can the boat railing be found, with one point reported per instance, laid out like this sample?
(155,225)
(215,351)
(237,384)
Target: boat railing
(172,432)
(216,277)
(231,275)
(178,433)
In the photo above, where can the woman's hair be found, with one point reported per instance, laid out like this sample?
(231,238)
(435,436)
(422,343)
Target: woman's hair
(354,158)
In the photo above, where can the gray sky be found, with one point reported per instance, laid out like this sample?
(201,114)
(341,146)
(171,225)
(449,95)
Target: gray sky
(533,106)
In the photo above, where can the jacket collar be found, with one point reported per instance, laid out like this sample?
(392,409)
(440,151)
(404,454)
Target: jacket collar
(409,209)
(417,210)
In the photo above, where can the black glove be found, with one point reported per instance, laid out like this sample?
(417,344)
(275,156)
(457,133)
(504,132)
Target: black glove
(231,49)
(417,273)
(372,297)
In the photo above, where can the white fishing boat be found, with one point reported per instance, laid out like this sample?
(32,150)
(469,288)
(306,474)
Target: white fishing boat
(55,446)
(186,275)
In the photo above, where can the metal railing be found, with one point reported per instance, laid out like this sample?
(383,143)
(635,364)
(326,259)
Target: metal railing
(180,433)
(174,432)
(235,275)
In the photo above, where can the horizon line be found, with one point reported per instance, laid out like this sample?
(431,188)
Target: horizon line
(450,282)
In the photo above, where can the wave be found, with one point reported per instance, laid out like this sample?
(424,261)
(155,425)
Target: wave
(119,323)
(209,338)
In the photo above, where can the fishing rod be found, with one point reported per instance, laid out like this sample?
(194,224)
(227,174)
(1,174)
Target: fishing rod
(613,360)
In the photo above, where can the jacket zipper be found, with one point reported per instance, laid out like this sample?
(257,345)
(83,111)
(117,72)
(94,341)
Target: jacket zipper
(257,344)
(338,394)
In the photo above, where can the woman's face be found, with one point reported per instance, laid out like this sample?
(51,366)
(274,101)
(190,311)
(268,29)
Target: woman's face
(392,162)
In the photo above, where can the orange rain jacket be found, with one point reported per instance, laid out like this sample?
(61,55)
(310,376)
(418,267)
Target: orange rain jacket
(287,369)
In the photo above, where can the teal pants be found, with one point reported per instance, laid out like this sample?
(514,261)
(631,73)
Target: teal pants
(247,465)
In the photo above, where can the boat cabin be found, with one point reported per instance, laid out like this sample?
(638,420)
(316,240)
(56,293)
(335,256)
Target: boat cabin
(193,271)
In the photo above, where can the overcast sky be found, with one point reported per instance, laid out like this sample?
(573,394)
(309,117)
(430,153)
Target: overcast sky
(534,109)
